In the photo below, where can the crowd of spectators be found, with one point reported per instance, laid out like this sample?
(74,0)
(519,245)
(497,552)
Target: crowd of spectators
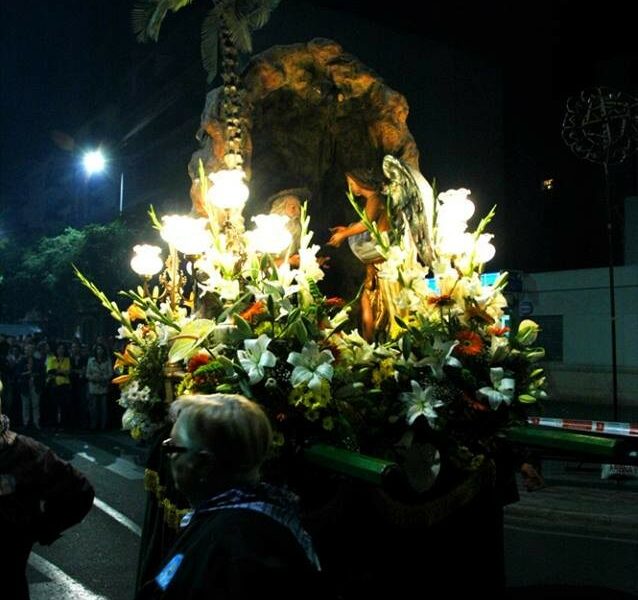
(59,384)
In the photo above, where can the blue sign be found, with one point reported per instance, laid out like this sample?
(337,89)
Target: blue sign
(525,308)
(486,279)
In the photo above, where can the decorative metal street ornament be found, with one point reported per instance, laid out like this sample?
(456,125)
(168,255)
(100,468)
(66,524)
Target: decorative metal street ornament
(601,125)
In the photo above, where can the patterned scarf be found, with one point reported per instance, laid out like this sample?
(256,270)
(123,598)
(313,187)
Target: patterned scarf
(4,424)
(279,504)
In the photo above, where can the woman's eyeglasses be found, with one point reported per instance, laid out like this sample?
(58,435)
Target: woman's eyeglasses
(172,448)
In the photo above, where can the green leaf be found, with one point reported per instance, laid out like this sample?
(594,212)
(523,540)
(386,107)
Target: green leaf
(209,45)
(243,327)
(226,362)
(225,388)
(401,323)
(315,292)
(407,346)
(349,390)
(245,388)
(271,307)
(526,399)
(536,373)
(299,330)
(191,336)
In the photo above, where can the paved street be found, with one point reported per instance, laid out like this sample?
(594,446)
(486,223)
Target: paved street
(579,530)
(96,559)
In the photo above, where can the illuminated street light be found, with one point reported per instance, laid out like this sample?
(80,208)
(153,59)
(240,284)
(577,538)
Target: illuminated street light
(95,162)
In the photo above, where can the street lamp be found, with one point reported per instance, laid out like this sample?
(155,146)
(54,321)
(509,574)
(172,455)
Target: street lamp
(94,162)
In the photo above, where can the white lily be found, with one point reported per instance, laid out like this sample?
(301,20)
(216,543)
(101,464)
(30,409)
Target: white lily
(308,266)
(502,390)
(441,356)
(421,402)
(311,366)
(256,357)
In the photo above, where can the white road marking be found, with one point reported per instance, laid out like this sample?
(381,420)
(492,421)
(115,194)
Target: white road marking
(591,536)
(61,586)
(118,516)
(86,456)
(120,466)
(127,469)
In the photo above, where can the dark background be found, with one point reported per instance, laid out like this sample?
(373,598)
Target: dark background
(487,84)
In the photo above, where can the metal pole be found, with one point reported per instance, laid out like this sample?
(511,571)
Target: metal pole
(121,191)
(612,295)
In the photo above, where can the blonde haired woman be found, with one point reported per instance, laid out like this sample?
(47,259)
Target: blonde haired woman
(244,539)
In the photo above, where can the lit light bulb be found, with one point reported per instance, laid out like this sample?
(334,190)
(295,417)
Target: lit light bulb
(94,162)
(186,234)
(271,236)
(146,260)
(455,205)
(229,190)
(485,250)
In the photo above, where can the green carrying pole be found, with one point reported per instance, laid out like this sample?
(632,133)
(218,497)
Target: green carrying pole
(567,441)
(356,465)
(382,472)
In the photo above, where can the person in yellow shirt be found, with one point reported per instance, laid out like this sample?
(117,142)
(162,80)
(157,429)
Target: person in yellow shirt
(58,369)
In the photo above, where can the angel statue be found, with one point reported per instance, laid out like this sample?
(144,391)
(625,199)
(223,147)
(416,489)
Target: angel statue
(400,204)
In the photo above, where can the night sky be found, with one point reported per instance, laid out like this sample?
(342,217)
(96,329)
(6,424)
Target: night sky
(72,75)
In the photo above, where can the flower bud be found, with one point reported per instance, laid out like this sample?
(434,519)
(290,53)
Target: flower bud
(535,354)
(527,332)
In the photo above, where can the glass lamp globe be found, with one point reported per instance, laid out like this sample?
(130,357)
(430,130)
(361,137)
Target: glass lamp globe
(187,234)
(146,260)
(229,190)
(271,236)
(455,205)
(485,250)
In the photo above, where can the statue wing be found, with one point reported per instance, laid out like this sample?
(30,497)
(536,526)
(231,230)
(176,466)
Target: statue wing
(411,204)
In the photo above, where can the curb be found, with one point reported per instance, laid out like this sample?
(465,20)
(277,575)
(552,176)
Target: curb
(592,512)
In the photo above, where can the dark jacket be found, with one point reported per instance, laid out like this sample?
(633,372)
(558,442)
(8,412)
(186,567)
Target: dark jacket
(236,553)
(41,495)
(27,369)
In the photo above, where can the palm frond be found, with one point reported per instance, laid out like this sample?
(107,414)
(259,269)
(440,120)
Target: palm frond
(147,16)
(259,15)
(179,4)
(141,15)
(209,44)
(238,29)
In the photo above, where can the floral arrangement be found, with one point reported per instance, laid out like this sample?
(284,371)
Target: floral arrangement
(244,320)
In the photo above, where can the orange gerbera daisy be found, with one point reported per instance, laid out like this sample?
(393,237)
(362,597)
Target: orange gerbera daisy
(476,312)
(497,330)
(442,300)
(255,309)
(470,343)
